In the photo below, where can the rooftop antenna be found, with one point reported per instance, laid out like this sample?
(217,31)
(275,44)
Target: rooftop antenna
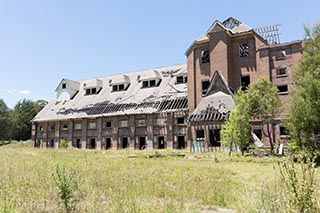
(270,33)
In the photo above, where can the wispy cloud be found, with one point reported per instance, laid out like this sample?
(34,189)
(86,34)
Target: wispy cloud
(22,92)
(10,91)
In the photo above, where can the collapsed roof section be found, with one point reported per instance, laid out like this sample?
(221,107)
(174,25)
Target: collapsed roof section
(168,96)
(217,103)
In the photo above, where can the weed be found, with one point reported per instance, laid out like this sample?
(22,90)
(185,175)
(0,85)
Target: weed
(66,184)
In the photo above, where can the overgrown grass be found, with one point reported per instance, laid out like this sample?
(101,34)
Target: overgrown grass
(135,181)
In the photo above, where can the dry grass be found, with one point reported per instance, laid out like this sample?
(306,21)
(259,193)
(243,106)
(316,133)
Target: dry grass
(132,181)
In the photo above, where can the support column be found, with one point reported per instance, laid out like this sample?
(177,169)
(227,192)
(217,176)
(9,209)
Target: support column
(170,125)
(150,136)
(45,135)
(99,132)
(132,132)
(115,124)
(57,136)
(33,134)
(70,133)
(84,134)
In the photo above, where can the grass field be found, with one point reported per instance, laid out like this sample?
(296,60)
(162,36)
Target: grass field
(138,181)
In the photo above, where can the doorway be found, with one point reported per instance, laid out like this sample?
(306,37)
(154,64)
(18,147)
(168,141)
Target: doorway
(78,143)
(161,142)
(108,143)
(215,137)
(181,142)
(125,143)
(142,143)
(92,143)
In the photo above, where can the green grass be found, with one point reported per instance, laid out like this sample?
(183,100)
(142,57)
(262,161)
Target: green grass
(133,181)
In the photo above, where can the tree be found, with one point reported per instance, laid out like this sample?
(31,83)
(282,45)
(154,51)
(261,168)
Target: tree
(236,131)
(24,111)
(263,102)
(303,121)
(5,121)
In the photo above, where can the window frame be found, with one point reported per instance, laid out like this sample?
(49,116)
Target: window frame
(283,92)
(204,91)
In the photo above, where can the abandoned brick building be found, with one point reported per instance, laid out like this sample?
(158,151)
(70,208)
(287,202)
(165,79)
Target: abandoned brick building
(170,107)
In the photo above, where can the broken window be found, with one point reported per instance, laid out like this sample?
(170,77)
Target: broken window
(108,124)
(77,126)
(283,89)
(124,123)
(282,54)
(244,50)
(152,83)
(121,87)
(200,134)
(283,131)
(245,81)
(180,120)
(282,71)
(64,126)
(205,86)
(63,86)
(205,56)
(182,79)
(40,128)
(141,122)
(92,125)
(94,91)
(258,133)
(52,127)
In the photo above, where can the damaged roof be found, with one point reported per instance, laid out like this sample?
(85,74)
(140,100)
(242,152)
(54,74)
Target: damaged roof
(166,97)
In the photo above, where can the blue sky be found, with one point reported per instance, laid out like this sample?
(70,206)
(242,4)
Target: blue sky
(43,41)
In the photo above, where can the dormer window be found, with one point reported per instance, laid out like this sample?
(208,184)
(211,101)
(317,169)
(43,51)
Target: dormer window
(150,83)
(92,91)
(120,87)
(182,79)
(63,85)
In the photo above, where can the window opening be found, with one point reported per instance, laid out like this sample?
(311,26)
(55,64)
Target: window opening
(244,50)
(205,56)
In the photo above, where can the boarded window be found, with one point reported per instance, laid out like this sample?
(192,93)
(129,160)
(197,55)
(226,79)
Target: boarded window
(124,123)
(77,126)
(141,122)
(205,56)
(92,125)
(161,121)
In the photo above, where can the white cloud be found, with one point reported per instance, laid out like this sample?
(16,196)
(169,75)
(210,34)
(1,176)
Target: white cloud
(24,92)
